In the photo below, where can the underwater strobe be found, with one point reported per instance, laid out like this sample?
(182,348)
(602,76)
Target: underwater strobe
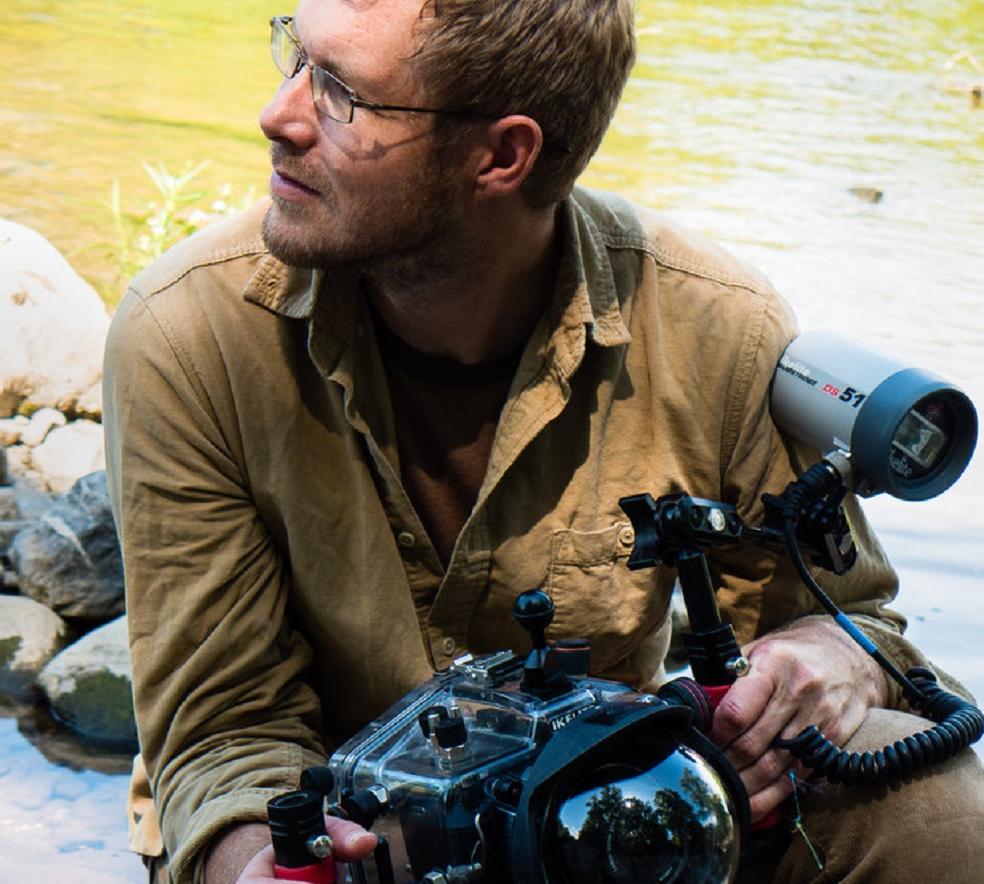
(882,425)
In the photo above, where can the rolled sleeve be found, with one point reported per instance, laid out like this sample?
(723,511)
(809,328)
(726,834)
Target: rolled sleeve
(224,716)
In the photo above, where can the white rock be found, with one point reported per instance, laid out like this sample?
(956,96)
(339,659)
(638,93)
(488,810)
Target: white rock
(52,328)
(89,684)
(68,454)
(11,429)
(18,459)
(42,422)
(103,649)
(30,635)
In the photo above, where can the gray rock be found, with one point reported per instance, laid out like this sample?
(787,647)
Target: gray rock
(70,558)
(52,329)
(42,422)
(9,529)
(21,501)
(68,453)
(3,465)
(30,635)
(867,194)
(32,502)
(89,685)
(8,504)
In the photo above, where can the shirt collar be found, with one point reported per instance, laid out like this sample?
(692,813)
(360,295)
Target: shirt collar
(585,293)
(587,279)
(285,290)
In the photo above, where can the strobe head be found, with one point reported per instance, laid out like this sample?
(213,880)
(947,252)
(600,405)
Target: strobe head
(907,432)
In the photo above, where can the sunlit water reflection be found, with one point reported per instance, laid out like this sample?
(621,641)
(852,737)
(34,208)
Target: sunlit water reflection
(750,122)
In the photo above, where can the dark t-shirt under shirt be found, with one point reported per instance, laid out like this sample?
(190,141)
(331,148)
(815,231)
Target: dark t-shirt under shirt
(446,415)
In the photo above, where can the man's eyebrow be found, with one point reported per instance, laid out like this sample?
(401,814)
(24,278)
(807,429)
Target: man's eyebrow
(332,67)
(342,73)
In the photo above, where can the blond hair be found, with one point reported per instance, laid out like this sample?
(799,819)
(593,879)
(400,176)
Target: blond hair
(562,62)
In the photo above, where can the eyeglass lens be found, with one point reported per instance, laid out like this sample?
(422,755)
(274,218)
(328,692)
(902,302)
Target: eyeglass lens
(331,97)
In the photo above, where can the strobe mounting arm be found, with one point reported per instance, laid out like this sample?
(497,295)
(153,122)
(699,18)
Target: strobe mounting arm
(672,530)
(806,516)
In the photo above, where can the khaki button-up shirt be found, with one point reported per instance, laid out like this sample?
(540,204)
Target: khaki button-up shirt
(281,590)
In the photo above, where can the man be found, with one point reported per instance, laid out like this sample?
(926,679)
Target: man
(340,447)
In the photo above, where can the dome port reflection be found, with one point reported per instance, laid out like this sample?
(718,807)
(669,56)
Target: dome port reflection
(672,822)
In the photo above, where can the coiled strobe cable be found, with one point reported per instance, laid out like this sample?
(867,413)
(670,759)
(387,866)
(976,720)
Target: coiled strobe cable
(958,723)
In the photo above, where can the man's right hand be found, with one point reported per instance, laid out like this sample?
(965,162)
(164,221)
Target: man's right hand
(350,843)
(230,853)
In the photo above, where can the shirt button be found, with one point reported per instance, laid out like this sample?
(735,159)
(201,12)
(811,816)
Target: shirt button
(448,645)
(405,539)
(626,536)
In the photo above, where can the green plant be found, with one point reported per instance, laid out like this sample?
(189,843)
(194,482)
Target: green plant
(144,235)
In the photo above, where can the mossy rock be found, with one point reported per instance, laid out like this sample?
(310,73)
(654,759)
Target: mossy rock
(89,686)
(8,649)
(100,707)
(30,636)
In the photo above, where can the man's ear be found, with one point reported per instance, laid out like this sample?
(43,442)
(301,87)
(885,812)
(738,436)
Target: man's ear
(511,147)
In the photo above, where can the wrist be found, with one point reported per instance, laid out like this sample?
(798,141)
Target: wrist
(232,850)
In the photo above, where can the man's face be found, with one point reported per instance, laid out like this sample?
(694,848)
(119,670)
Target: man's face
(366,190)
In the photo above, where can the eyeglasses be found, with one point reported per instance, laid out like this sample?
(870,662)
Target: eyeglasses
(335,99)
(332,97)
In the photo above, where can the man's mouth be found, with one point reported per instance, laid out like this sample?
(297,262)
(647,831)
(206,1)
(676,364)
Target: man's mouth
(288,187)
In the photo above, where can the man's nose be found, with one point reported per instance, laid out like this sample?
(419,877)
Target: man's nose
(290,115)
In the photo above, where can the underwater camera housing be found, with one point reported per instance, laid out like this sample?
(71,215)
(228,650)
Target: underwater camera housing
(527,770)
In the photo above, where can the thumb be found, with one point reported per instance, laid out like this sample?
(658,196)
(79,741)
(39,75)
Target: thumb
(350,842)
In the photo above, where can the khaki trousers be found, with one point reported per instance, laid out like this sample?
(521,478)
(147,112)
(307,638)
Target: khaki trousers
(928,830)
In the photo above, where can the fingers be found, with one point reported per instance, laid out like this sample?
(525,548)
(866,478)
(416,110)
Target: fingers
(741,707)
(350,842)
(770,770)
(808,674)
(766,799)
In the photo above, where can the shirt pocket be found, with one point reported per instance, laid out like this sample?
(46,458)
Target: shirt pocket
(595,594)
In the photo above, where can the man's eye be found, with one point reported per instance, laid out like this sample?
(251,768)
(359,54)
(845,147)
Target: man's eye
(334,96)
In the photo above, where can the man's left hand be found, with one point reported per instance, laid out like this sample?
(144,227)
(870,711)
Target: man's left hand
(808,673)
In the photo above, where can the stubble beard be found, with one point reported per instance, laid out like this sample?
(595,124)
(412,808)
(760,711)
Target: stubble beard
(403,234)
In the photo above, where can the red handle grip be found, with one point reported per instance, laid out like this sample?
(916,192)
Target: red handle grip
(317,873)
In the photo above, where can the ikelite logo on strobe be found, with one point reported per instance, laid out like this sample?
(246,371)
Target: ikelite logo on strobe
(565,719)
(797,369)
